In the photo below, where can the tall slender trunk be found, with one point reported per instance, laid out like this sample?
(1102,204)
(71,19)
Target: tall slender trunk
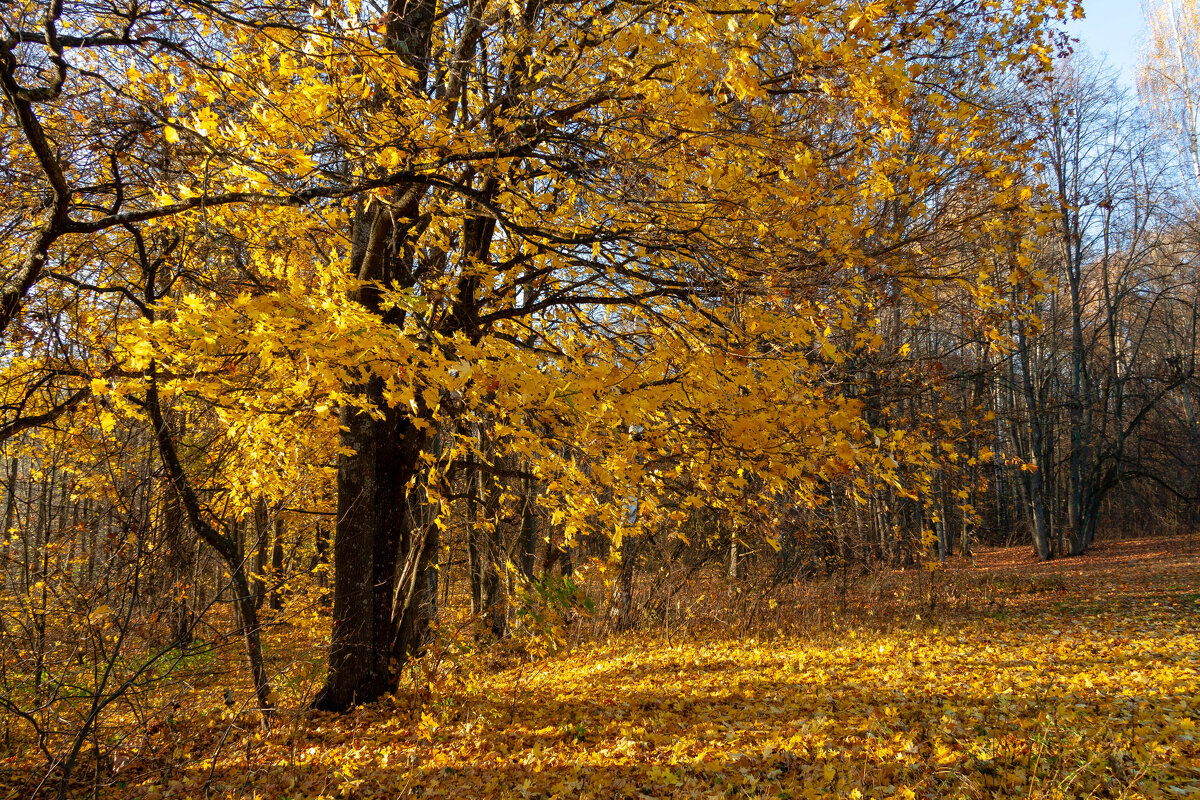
(733,569)
(474,554)
(224,544)
(10,497)
(247,614)
(261,546)
(943,530)
(42,549)
(321,556)
(277,564)
(528,534)
(1041,524)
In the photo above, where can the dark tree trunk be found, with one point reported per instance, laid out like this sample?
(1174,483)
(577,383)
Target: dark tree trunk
(277,564)
(567,562)
(474,564)
(623,596)
(181,563)
(528,535)
(321,555)
(558,554)
(10,497)
(493,598)
(262,540)
(379,561)
(1039,519)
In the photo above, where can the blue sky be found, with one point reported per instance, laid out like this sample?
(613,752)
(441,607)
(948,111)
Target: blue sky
(1113,29)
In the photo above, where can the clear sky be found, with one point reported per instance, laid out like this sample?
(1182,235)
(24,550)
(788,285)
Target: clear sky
(1113,29)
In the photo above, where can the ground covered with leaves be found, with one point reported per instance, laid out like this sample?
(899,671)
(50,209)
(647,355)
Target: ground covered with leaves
(996,677)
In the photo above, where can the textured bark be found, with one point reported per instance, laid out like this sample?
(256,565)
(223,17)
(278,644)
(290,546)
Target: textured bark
(180,556)
(376,612)
(622,612)
(528,535)
(493,597)
(1038,516)
(261,544)
(277,564)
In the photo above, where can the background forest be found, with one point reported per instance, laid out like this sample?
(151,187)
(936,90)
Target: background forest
(352,351)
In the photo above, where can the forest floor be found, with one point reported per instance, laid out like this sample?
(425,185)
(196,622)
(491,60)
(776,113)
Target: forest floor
(996,676)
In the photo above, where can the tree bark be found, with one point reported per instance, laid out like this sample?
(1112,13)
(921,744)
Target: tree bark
(528,534)
(375,614)
(262,542)
(493,599)
(277,564)
(623,598)
(1040,523)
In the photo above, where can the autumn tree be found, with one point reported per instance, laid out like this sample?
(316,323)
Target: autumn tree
(618,252)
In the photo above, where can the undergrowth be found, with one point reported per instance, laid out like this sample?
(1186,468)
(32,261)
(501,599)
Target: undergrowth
(990,678)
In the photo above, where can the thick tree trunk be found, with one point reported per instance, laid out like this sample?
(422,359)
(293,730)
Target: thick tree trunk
(379,561)
(180,565)
(382,562)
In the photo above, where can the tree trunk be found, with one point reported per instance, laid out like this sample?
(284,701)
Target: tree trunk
(381,595)
(1041,525)
(623,597)
(262,542)
(474,563)
(379,561)
(733,571)
(226,546)
(247,615)
(10,498)
(528,536)
(180,552)
(493,600)
(277,564)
